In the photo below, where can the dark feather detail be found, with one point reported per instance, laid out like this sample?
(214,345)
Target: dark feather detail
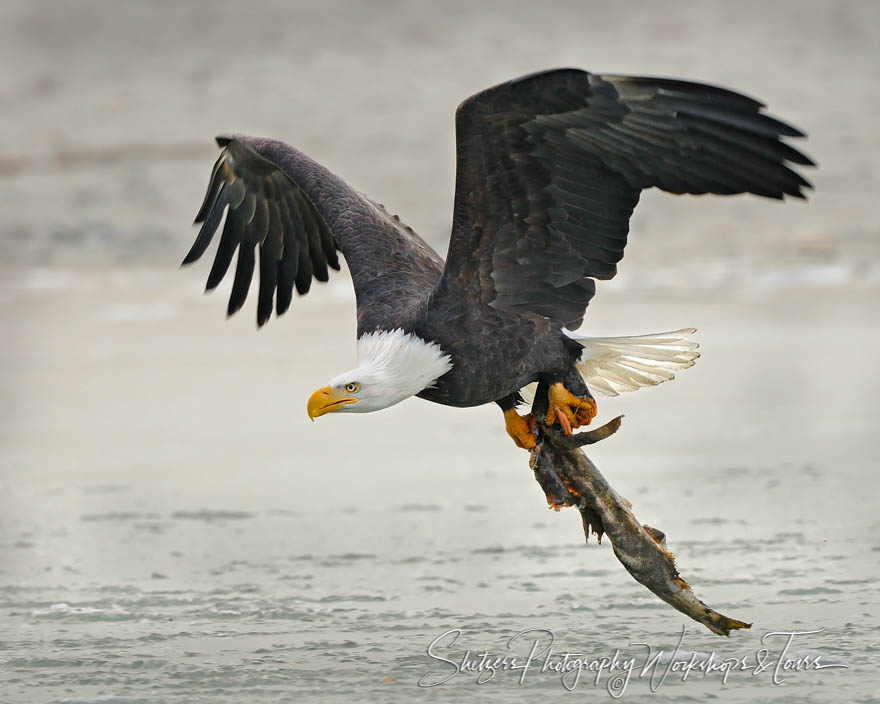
(550,168)
(244,271)
(225,250)
(216,205)
(299,215)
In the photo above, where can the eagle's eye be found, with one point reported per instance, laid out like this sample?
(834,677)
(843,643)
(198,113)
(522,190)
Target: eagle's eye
(352,387)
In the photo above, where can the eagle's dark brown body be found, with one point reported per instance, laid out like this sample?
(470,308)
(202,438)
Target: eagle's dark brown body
(494,352)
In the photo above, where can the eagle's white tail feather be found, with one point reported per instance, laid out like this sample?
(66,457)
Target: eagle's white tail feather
(611,365)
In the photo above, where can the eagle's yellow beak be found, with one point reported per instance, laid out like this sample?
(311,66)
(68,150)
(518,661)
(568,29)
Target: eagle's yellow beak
(324,401)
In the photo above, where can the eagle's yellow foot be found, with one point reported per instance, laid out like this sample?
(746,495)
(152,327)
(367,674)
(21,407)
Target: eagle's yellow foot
(571,411)
(519,428)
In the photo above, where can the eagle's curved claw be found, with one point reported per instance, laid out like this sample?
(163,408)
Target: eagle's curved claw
(563,421)
(571,411)
(520,429)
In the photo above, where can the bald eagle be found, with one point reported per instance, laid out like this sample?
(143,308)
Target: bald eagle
(549,169)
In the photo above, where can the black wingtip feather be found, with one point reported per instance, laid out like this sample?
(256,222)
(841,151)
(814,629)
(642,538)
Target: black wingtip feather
(225,250)
(270,254)
(214,183)
(244,272)
(284,294)
(209,227)
(304,274)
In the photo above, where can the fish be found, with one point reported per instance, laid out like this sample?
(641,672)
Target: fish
(569,478)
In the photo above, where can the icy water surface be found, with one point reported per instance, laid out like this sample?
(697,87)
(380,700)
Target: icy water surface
(174,529)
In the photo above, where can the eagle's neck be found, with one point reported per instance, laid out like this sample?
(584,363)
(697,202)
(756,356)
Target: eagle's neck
(399,363)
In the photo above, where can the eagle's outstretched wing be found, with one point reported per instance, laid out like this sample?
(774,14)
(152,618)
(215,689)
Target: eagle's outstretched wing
(299,214)
(550,167)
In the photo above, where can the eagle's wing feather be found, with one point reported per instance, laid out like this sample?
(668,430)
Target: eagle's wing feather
(299,214)
(550,168)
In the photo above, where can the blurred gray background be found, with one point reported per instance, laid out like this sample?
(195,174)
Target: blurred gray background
(172,528)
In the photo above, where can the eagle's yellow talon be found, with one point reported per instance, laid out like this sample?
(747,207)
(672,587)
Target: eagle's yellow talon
(520,428)
(571,411)
(586,412)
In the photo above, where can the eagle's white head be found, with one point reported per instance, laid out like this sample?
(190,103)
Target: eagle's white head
(392,366)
